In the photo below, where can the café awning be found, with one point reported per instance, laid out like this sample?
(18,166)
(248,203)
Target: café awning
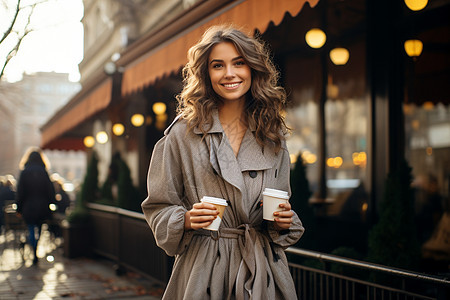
(171,56)
(82,106)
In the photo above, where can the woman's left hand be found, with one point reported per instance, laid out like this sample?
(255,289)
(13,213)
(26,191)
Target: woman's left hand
(283,219)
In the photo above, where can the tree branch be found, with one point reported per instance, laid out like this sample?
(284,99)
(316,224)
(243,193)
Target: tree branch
(10,28)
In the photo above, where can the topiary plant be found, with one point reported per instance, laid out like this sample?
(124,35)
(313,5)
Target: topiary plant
(89,189)
(128,196)
(107,196)
(393,240)
(88,193)
(301,193)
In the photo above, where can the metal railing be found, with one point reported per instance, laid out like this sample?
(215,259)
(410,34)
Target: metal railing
(124,236)
(366,280)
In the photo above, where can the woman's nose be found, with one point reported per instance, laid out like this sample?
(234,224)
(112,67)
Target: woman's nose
(229,72)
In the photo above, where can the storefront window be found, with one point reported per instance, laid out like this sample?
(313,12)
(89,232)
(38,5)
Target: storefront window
(328,112)
(301,114)
(346,130)
(427,131)
(346,123)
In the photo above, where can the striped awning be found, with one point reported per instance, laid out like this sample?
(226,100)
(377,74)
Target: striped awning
(81,107)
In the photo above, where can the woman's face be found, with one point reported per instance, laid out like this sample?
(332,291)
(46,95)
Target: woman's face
(229,73)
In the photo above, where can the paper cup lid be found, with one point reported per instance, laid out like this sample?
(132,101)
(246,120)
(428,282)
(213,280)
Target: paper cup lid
(214,200)
(275,193)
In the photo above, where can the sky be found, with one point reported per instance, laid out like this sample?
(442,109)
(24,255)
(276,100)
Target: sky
(54,45)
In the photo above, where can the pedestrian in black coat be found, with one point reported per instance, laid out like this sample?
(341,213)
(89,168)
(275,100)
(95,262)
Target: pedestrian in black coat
(7,193)
(35,192)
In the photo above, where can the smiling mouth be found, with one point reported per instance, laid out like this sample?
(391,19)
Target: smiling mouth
(231,85)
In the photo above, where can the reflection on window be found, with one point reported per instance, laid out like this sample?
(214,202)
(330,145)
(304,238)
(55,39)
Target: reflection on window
(346,138)
(346,133)
(346,113)
(427,132)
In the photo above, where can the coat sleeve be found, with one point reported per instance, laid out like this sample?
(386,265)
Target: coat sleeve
(165,206)
(285,238)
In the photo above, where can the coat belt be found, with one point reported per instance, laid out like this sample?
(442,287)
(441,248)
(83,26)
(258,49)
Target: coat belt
(254,276)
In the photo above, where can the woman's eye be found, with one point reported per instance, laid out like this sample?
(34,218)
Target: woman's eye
(216,66)
(240,63)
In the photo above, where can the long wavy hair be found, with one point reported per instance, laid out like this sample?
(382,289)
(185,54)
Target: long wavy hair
(34,156)
(264,102)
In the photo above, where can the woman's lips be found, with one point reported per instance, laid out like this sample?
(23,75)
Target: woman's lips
(231,85)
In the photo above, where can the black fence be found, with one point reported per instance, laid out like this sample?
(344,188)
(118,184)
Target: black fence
(125,237)
(353,279)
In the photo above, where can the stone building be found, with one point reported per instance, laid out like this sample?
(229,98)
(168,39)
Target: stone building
(27,104)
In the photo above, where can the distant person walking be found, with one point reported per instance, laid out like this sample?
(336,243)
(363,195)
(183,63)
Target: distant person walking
(7,193)
(35,192)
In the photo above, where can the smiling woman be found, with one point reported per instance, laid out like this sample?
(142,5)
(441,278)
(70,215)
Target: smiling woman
(228,143)
(54,42)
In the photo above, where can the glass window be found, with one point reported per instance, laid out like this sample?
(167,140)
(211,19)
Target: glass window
(302,112)
(427,131)
(346,123)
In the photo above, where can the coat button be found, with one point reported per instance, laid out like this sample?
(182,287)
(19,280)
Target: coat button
(252,174)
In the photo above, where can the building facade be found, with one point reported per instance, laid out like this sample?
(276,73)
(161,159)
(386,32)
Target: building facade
(29,103)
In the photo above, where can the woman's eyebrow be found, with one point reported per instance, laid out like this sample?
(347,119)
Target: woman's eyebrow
(221,60)
(215,60)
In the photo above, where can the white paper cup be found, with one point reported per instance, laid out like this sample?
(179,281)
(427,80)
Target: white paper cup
(220,204)
(271,202)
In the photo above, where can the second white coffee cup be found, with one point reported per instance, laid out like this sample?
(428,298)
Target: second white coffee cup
(272,199)
(220,204)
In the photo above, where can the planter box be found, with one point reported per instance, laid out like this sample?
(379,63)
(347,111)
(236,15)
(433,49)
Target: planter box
(77,239)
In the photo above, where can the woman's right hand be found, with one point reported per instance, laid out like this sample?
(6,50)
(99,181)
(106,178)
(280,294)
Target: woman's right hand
(200,216)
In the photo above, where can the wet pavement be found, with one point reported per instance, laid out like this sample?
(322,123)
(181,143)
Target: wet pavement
(58,277)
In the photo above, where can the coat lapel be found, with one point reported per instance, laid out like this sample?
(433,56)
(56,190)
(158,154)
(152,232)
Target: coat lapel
(221,155)
(252,157)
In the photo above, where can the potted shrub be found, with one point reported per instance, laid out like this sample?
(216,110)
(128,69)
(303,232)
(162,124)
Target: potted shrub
(393,241)
(76,227)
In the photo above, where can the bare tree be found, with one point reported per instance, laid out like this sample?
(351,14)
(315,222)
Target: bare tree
(17,27)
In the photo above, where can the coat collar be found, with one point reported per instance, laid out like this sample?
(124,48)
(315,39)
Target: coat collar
(216,126)
(251,156)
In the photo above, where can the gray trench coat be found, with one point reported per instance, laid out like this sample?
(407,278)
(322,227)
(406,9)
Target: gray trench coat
(245,260)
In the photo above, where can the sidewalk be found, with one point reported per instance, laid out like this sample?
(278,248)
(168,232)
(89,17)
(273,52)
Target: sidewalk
(57,277)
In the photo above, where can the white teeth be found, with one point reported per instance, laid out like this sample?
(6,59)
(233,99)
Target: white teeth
(231,85)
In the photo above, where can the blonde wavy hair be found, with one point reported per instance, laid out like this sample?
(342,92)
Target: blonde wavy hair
(264,102)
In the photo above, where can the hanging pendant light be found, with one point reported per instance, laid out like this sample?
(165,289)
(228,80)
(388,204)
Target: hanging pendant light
(413,48)
(159,108)
(137,120)
(339,56)
(102,137)
(89,141)
(416,5)
(118,129)
(315,38)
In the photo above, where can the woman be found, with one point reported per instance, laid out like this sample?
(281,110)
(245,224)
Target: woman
(35,192)
(227,142)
